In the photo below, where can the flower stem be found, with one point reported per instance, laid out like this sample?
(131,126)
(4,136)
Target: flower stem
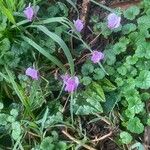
(103,68)
(71,107)
(103,6)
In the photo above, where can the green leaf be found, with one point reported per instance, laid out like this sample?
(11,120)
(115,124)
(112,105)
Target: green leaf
(111,101)
(87,69)
(7,13)
(119,48)
(98,89)
(134,125)
(54,119)
(61,43)
(143,80)
(104,30)
(110,56)
(119,81)
(98,74)
(107,85)
(143,50)
(132,59)
(3,119)
(16,132)
(86,80)
(128,28)
(86,103)
(122,70)
(131,12)
(63,8)
(45,53)
(126,138)
(143,22)
(14,112)
(136,105)
(138,146)
(47,144)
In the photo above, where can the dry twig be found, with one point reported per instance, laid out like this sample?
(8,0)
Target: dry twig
(77,141)
(103,137)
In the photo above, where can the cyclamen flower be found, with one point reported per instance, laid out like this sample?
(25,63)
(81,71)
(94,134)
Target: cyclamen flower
(31,12)
(113,21)
(78,25)
(97,56)
(71,83)
(33,73)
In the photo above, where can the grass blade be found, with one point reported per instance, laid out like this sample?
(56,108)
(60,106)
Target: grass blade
(7,13)
(62,44)
(45,53)
(73,5)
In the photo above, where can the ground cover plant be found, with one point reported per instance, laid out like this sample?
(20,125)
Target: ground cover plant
(67,83)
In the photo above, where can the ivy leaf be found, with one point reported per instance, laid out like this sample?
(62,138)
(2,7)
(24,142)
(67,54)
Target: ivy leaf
(87,69)
(132,59)
(143,22)
(122,70)
(134,125)
(130,113)
(126,138)
(119,48)
(131,12)
(110,57)
(99,74)
(136,105)
(143,50)
(143,80)
(119,81)
(128,28)
(86,80)
(14,112)
(47,144)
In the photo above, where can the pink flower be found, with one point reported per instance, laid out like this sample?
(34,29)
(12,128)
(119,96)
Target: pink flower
(65,78)
(97,56)
(78,25)
(33,73)
(71,83)
(31,12)
(113,21)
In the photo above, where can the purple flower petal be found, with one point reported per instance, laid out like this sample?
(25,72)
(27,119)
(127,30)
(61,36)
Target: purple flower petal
(78,25)
(33,73)
(71,83)
(113,21)
(31,12)
(65,78)
(97,56)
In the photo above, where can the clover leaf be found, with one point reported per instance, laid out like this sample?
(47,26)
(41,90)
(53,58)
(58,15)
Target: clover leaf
(126,138)
(143,80)
(134,125)
(126,29)
(131,12)
(87,69)
(98,74)
(86,80)
(119,48)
